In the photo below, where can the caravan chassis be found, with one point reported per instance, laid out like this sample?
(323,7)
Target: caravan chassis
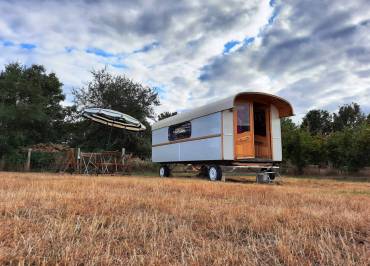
(266,171)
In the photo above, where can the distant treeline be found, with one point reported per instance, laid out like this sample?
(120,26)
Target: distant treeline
(31,112)
(340,140)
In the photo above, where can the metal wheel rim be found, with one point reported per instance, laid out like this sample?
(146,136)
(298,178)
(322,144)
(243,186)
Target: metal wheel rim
(161,171)
(213,173)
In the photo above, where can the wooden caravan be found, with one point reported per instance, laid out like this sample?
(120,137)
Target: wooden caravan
(243,128)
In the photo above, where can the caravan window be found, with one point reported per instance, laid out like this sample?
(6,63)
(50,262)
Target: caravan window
(180,131)
(243,118)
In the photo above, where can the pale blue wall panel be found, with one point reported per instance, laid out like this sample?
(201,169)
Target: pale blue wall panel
(166,153)
(203,149)
(206,125)
(160,136)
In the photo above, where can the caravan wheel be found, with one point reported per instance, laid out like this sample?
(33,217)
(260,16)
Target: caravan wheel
(164,171)
(214,173)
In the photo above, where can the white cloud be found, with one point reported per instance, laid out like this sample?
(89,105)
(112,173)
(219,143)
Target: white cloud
(315,53)
(311,54)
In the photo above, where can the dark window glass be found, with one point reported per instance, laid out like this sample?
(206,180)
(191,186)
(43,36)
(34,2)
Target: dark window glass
(259,119)
(180,131)
(243,124)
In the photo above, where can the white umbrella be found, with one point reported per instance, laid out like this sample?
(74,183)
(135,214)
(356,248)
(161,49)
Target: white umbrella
(113,118)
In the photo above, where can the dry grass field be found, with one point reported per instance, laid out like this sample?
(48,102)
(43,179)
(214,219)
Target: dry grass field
(51,218)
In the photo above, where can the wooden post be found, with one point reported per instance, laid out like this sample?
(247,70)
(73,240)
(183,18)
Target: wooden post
(78,159)
(28,162)
(123,155)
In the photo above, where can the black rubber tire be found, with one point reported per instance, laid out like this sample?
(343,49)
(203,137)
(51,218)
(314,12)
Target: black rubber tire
(214,173)
(203,171)
(164,171)
(272,176)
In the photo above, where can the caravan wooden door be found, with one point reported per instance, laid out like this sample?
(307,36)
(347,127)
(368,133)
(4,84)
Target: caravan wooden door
(243,129)
(262,134)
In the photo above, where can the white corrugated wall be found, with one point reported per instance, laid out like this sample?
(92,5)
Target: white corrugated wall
(277,153)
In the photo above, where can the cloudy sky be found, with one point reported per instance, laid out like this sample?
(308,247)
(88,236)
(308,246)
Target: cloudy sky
(315,53)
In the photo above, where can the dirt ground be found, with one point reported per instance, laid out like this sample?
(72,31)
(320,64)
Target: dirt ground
(72,219)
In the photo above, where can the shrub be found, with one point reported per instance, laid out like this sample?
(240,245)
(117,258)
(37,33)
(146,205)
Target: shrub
(349,149)
(143,166)
(43,161)
(15,160)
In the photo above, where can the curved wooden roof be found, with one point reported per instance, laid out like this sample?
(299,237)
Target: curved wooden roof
(284,107)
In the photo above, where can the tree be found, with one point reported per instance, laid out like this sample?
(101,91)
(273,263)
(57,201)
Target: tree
(287,130)
(30,107)
(121,94)
(164,115)
(317,122)
(297,144)
(350,148)
(349,115)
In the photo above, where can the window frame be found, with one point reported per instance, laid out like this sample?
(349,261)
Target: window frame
(243,114)
(173,136)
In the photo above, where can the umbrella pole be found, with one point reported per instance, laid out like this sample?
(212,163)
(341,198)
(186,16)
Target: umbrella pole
(108,143)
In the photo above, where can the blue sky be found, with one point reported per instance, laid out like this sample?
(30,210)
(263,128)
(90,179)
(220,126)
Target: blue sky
(314,53)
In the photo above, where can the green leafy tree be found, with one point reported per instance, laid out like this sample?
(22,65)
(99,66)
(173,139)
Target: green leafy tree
(317,151)
(362,147)
(121,94)
(348,116)
(317,122)
(165,115)
(349,149)
(300,147)
(288,128)
(30,107)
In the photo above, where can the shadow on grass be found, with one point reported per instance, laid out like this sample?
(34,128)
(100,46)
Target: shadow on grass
(240,181)
(355,192)
(335,178)
(230,178)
